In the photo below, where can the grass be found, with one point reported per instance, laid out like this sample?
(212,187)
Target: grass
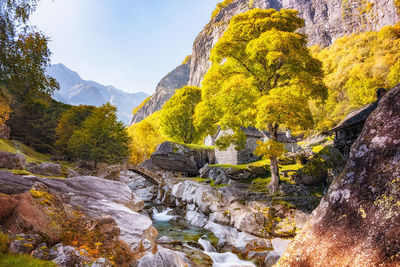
(17,147)
(23,260)
(196,146)
(259,163)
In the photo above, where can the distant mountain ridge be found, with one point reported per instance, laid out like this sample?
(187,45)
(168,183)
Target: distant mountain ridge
(76,91)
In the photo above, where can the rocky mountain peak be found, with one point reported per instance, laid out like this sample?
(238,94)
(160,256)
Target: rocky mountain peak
(176,79)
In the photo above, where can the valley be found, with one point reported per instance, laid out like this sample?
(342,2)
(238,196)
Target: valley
(275,143)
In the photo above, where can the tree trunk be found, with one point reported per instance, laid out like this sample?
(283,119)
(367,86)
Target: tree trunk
(274,184)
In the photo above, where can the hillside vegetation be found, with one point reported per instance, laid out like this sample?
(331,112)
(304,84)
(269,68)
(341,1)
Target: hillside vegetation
(355,66)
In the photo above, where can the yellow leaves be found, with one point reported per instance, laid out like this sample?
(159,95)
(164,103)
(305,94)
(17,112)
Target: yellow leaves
(5,111)
(146,136)
(176,118)
(355,66)
(270,149)
(285,106)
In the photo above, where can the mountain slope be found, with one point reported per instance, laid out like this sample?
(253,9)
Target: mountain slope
(76,91)
(325,21)
(176,79)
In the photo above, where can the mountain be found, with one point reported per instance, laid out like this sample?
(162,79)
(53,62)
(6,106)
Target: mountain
(76,91)
(325,21)
(165,89)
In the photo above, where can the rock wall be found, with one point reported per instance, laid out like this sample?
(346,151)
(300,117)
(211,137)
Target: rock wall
(165,89)
(358,221)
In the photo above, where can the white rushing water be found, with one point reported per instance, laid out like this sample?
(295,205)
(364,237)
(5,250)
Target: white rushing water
(162,216)
(226,259)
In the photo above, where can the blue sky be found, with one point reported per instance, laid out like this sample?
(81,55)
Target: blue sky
(130,44)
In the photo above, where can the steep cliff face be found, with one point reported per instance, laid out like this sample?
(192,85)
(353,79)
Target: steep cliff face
(357,222)
(176,79)
(326,20)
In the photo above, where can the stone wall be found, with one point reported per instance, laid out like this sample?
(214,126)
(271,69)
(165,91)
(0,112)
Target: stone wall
(234,157)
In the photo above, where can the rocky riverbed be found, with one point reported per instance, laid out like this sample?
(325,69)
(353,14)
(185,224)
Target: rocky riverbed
(254,230)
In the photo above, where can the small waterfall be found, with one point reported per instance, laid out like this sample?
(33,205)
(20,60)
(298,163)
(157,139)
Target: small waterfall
(162,216)
(226,259)
(206,245)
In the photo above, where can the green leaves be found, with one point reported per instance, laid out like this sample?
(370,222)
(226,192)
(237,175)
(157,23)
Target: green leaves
(270,149)
(100,138)
(24,54)
(177,115)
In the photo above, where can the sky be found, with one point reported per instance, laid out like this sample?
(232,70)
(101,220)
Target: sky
(130,44)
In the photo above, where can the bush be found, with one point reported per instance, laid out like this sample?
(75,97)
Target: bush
(4,242)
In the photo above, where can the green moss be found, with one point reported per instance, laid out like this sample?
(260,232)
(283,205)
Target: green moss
(43,197)
(196,146)
(260,163)
(283,203)
(17,147)
(23,260)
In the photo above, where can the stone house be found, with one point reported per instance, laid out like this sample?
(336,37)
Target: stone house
(235,157)
(348,130)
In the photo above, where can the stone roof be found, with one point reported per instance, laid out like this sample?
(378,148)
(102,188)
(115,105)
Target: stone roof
(356,116)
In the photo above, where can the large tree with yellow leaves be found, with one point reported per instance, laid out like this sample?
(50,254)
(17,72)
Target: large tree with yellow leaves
(262,75)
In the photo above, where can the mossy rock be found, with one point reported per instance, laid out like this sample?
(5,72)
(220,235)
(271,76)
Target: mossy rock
(316,169)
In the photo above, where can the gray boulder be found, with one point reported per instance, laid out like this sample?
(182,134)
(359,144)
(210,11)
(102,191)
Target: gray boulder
(12,161)
(66,256)
(180,158)
(47,169)
(41,252)
(140,186)
(96,198)
(224,174)
(24,243)
(163,258)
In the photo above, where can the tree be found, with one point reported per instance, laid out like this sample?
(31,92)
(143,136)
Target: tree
(24,54)
(70,121)
(101,138)
(355,66)
(262,75)
(177,115)
(5,111)
(146,136)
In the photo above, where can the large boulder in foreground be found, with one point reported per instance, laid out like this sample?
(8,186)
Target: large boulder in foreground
(182,158)
(96,198)
(358,221)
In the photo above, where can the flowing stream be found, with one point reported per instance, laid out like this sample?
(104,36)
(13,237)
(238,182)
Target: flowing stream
(184,232)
